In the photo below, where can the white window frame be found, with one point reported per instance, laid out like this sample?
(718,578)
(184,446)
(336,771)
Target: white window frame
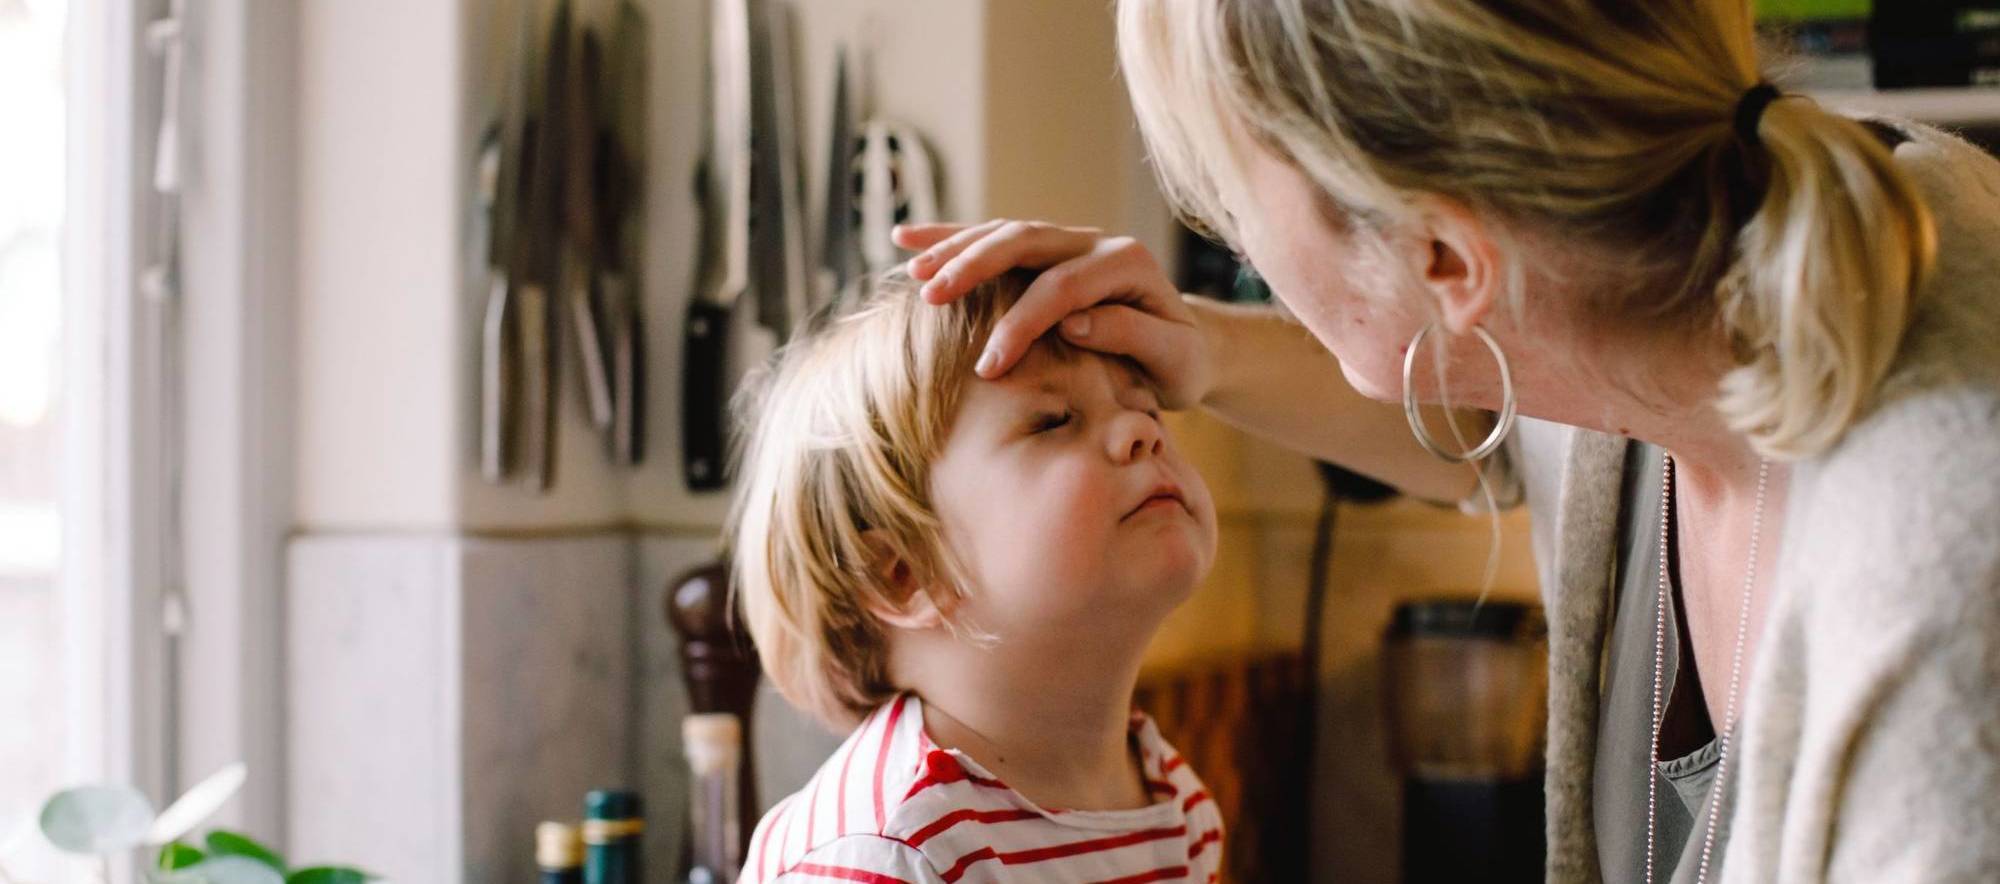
(155,711)
(237,206)
(109,484)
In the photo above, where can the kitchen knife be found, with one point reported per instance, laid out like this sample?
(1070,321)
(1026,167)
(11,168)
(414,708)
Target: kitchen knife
(499,355)
(726,259)
(620,153)
(580,227)
(537,247)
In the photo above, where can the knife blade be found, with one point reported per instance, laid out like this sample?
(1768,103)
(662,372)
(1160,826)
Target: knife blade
(838,258)
(497,359)
(798,273)
(777,246)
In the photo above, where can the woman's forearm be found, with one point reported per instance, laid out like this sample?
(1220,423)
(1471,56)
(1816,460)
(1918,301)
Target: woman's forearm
(1275,380)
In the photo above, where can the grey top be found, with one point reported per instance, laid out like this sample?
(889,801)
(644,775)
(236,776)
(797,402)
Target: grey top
(1688,750)
(1869,744)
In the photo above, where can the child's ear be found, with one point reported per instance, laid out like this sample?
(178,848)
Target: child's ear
(907,602)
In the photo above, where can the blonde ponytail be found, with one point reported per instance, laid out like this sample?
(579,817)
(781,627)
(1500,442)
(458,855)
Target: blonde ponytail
(1820,294)
(1606,123)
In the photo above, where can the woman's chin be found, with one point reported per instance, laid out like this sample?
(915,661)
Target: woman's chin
(1380,385)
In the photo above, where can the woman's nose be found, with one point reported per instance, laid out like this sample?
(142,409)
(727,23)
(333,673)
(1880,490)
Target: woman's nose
(1136,436)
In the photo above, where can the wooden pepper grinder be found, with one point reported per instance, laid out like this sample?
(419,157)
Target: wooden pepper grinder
(719,663)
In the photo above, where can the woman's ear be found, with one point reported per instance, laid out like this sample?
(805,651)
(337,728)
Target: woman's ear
(1460,262)
(906,601)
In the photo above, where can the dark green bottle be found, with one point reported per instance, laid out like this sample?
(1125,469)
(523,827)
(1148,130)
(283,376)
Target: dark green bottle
(612,824)
(559,853)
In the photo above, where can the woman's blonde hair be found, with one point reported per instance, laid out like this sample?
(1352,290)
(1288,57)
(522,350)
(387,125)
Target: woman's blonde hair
(834,482)
(1603,121)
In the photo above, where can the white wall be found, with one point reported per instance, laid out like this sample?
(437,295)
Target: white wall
(379,170)
(1019,101)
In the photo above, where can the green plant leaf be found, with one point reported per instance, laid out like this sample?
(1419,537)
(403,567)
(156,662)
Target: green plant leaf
(94,820)
(221,870)
(199,803)
(175,855)
(223,842)
(330,875)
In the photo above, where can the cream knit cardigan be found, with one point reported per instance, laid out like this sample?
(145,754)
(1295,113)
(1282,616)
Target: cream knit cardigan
(1869,748)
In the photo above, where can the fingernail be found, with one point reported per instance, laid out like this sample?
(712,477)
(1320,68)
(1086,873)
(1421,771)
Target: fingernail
(986,362)
(1077,326)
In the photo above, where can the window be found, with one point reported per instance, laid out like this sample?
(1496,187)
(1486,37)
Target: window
(35,670)
(82,527)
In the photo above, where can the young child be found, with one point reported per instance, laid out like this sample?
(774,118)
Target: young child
(967,572)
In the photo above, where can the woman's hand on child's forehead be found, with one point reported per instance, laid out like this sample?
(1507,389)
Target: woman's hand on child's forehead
(1105,294)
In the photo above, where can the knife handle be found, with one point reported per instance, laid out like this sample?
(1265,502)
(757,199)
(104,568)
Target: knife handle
(704,417)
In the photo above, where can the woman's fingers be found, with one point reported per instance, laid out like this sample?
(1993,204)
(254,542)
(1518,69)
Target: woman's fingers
(1135,308)
(916,237)
(960,261)
(1169,349)
(946,244)
(1116,270)
(1014,244)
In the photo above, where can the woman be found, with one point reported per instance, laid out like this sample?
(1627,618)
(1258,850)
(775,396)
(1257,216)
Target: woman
(1756,345)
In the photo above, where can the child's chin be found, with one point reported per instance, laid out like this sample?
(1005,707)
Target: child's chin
(1182,556)
(1169,577)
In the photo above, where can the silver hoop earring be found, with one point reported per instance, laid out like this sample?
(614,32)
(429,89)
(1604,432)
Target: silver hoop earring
(1501,427)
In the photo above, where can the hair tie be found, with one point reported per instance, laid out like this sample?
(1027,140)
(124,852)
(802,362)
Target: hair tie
(1750,110)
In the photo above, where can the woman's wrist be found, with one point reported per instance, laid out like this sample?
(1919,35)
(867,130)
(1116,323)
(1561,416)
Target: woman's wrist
(1211,326)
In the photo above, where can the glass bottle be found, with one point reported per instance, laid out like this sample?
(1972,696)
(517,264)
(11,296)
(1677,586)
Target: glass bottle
(713,743)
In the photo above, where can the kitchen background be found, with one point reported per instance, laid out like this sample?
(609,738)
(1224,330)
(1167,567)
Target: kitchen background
(417,662)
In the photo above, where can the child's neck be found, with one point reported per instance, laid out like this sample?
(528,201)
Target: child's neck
(1064,742)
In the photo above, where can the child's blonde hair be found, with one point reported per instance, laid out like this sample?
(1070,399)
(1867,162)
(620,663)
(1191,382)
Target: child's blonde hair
(1610,122)
(834,481)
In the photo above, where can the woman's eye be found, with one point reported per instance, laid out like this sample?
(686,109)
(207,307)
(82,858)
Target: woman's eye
(1046,422)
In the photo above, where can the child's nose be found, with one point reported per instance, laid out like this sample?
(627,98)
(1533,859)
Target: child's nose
(1136,436)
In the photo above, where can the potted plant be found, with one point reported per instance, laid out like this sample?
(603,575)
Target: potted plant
(103,821)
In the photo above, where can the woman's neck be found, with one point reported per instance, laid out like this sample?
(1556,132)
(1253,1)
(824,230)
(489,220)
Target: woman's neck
(1707,453)
(1656,381)
(1660,388)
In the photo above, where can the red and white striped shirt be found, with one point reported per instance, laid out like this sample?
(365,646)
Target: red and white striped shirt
(891,807)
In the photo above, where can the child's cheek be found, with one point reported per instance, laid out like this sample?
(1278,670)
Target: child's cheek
(1064,506)
(1081,498)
